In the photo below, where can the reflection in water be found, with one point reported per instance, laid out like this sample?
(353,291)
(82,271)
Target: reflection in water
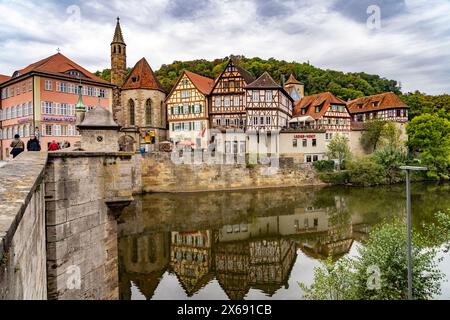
(239,243)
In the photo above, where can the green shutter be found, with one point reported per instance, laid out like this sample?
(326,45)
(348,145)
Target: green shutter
(173,126)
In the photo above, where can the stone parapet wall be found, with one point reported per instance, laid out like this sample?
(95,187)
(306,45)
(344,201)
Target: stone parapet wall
(157,172)
(81,229)
(22,228)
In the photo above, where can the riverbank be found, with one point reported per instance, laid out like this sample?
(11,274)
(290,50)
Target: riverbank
(159,173)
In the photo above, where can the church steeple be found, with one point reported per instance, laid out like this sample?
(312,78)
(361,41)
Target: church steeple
(118,36)
(118,57)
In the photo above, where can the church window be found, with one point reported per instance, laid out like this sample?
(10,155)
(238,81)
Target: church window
(131,112)
(148,112)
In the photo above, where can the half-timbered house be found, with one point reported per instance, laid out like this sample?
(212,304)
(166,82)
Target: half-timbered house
(228,97)
(323,111)
(187,112)
(268,105)
(385,106)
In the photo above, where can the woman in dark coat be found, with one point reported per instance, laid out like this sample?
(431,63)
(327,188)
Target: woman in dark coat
(33,144)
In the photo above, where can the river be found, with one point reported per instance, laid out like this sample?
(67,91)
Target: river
(256,244)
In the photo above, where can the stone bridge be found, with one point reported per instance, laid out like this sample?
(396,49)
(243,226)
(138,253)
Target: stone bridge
(58,229)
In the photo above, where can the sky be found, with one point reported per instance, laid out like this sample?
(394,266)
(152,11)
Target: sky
(404,40)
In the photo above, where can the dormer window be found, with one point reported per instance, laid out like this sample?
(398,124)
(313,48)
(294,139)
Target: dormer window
(317,109)
(16,74)
(375,104)
(360,105)
(75,73)
(135,79)
(304,111)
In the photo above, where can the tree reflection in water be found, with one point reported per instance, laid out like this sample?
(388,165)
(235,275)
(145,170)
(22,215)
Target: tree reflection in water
(248,242)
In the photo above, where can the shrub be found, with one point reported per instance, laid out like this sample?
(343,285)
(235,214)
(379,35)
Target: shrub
(339,177)
(324,165)
(391,158)
(382,262)
(366,172)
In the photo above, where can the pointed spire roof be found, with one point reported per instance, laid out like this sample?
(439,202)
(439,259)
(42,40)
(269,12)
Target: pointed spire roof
(265,81)
(292,80)
(118,36)
(142,77)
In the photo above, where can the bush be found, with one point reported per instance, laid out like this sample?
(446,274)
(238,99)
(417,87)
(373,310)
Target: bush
(380,269)
(391,158)
(366,172)
(339,177)
(324,165)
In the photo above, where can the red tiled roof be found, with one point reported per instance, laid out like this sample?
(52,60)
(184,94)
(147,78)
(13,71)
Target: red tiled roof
(142,77)
(324,99)
(59,64)
(203,84)
(4,78)
(384,101)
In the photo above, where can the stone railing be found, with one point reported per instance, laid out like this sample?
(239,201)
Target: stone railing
(22,228)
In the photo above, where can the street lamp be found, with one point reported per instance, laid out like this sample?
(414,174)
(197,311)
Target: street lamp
(408,211)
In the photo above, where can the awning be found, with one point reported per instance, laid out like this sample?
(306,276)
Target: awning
(302,119)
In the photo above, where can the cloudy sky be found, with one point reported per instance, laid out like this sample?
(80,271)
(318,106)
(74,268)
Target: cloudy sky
(410,43)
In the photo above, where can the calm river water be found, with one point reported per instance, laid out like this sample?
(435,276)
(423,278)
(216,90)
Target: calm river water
(254,244)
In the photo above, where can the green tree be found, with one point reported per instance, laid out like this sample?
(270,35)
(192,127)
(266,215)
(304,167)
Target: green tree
(429,135)
(364,171)
(372,134)
(387,250)
(338,149)
(379,271)
(391,158)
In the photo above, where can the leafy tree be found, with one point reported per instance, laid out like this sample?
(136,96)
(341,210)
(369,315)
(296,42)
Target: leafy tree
(391,158)
(372,134)
(387,250)
(332,281)
(338,149)
(429,134)
(364,171)
(379,271)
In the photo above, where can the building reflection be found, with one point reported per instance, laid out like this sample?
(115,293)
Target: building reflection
(143,259)
(257,254)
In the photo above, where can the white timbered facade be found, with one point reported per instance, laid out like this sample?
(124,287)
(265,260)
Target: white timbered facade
(228,97)
(268,106)
(187,110)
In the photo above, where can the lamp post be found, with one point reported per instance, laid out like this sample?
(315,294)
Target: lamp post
(408,211)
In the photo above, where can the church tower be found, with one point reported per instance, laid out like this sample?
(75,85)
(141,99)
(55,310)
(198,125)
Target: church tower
(118,57)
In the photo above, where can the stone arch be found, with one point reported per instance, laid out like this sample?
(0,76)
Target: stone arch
(131,112)
(126,143)
(148,112)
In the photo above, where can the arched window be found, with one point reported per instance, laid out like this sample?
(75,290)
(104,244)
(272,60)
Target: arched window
(148,112)
(131,110)
(114,49)
(120,49)
(163,115)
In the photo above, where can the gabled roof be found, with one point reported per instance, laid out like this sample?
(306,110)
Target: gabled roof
(142,77)
(324,100)
(383,101)
(292,80)
(118,36)
(203,84)
(265,81)
(58,64)
(4,78)
(248,78)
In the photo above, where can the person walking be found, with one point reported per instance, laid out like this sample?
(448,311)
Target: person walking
(53,146)
(33,144)
(37,133)
(17,146)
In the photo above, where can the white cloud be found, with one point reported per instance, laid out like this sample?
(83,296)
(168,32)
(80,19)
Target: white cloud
(413,45)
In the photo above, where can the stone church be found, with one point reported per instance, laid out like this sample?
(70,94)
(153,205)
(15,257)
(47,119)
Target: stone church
(138,103)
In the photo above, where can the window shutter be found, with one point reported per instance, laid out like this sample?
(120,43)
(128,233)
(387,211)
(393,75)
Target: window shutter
(173,126)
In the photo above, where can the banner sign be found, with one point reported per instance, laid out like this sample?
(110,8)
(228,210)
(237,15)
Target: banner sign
(64,119)
(25,120)
(301,136)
